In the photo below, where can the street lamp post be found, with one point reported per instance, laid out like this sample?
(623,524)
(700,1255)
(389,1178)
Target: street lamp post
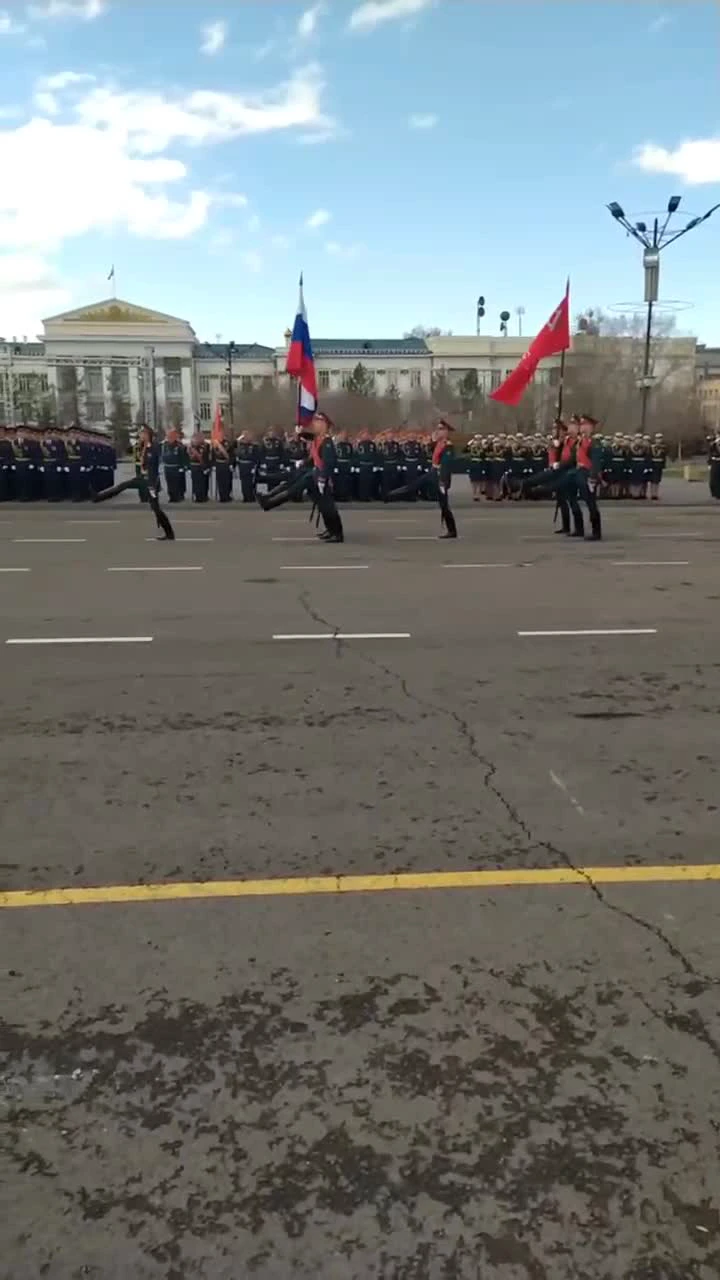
(653,243)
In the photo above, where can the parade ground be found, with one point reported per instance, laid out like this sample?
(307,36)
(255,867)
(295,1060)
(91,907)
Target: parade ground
(360,903)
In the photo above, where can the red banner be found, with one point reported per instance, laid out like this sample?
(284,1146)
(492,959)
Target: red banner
(552,338)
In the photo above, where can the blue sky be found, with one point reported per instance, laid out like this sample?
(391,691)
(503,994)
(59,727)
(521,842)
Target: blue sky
(407,155)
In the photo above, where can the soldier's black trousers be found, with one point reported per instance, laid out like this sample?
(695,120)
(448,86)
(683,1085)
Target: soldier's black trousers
(223,479)
(428,483)
(200,480)
(247,481)
(555,480)
(147,494)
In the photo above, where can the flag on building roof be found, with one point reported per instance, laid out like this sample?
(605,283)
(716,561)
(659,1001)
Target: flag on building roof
(301,364)
(552,338)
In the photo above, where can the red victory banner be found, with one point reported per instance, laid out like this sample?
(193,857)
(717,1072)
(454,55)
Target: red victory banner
(552,338)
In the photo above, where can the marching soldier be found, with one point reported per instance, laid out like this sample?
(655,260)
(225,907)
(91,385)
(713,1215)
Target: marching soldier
(583,480)
(145,453)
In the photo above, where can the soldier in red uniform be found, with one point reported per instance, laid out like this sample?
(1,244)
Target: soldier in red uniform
(584,479)
(437,480)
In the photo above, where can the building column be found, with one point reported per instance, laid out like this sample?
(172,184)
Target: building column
(136,402)
(160,396)
(81,393)
(107,393)
(188,398)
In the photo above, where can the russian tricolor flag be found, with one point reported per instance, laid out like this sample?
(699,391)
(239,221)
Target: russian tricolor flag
(301,364)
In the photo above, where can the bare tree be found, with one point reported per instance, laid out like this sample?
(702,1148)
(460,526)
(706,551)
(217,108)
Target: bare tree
(427,331)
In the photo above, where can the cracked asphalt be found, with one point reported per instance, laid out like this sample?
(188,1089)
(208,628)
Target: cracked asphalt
(507,1083)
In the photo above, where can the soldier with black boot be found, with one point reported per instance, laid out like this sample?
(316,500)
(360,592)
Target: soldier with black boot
(199,467)
(222,461)
(246,457)
(143,482)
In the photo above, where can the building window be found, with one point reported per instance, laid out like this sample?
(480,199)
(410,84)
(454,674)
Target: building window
(494,379)
(96,411)
(173,384)
(205,410)
(246,383)
(28,383)
(323,379)
(204,384)
(94,383)
(224,384)
(415,379)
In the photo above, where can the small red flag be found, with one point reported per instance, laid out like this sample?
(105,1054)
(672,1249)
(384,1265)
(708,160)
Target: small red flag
(552,338)
(218,427)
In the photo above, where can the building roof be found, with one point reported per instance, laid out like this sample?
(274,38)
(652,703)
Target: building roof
(241,351)
(8,347)
(370,347)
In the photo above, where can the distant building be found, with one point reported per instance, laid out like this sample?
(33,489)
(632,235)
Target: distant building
(113,352)
(707,365)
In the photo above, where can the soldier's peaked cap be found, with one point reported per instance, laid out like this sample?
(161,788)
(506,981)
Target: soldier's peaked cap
(443,422)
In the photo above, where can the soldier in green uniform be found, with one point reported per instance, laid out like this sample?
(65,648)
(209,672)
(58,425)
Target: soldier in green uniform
(344,461)
(144,483)
(658,462)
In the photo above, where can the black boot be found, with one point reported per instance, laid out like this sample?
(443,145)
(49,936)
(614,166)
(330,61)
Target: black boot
(579,530)
(596,526)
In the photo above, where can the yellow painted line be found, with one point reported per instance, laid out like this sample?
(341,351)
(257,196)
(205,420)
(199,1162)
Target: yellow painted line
(297,886)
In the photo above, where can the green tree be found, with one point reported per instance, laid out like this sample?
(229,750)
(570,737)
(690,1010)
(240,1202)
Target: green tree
(469,390)
(443,392)
(360,382)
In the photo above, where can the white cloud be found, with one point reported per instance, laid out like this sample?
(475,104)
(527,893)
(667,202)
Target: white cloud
(252,260)
(337,250)
(8,25)
(231,199)
(420,121)
(375,12)
(47,89)
(695,161)
(317,219)
(253,222)
(29,290)
(213,37)
(85,10)
(150,121)
(308,22)
(662,20)
(139,187)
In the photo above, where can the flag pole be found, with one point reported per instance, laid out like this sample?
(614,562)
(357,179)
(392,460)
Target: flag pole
(561,385)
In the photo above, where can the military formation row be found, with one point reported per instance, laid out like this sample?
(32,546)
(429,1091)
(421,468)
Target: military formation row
(54,466)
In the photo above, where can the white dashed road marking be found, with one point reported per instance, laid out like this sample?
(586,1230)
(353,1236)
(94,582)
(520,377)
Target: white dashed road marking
(562,786)
(597,631)
(82,640)
(346,635)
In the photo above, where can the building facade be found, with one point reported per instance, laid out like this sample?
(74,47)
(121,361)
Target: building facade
(707,362)
(114,353)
